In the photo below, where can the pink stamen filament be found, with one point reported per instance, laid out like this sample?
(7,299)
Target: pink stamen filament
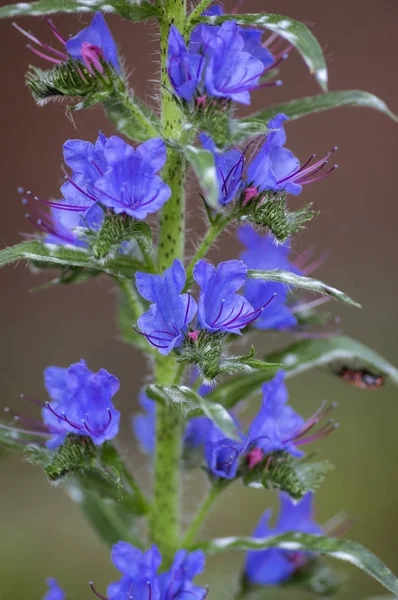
(56,32)
(58,205)
(42,55)
(327,429)
(39,43)
(23,431)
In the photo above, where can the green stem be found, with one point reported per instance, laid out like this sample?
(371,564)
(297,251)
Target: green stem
(129,118)
(164,525)
(136,306)
(147,255)
(196,13)
(200,516)
(211,235)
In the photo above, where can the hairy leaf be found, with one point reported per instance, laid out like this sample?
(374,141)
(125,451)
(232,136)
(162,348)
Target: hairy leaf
(189,400)
(50,255)
(202,162)
(134,11)
(305,283)
(294,32)
(312,104)
(346,550)
(300,357)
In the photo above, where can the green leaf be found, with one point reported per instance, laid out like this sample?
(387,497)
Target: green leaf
(305,283)
(202,162)
(254,363)
(220,417)
(294,32)
(306,354)
(50,255)
(342,549)
(134,11)
(309,105)
(300,357)
(189,400)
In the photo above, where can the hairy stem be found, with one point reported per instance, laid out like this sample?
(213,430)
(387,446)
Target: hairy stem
(211,235)
(164,526)
(200,516)
(131,295)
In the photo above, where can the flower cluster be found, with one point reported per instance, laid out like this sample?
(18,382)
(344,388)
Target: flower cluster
(273,168)
(140,579)
(276,428)
(108,175)
(81,404)
(221,62)
(274,566)
(189,314)
(220,308)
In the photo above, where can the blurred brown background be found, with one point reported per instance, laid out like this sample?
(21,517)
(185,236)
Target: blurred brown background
(42,532)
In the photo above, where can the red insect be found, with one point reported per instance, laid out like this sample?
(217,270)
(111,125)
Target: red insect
(361,378)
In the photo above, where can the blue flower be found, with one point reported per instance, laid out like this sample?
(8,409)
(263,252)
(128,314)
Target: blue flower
(253,45)
(144,424)
(115,174)
(222,454)
(277,425)
(251,37)
(177,583)
(171,312)
(130,185)
(185,68)
(220,308)
(140,577)
(139,572)
(93,42)
(274,566)
(217,63)
(231,72)
(276,169)
(54,591)
(81,404)
(264,254)
(229,168)
(274,166)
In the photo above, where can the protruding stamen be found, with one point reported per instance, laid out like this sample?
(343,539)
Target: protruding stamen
(99,431)
(91,584)
(56,32)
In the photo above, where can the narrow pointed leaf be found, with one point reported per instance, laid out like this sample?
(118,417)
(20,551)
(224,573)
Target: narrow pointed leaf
(346,550)
(49,255)
(295,32)
(191,401)
(305,283)
(303,356)
(134,11)
(202,162)
(295,109)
